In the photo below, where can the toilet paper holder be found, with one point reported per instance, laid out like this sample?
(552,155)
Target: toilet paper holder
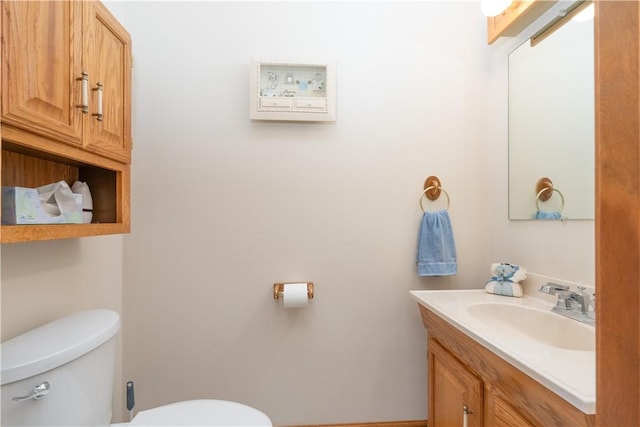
(278,289)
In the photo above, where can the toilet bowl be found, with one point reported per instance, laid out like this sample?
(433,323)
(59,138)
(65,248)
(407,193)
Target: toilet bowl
(62,374)
(200,413)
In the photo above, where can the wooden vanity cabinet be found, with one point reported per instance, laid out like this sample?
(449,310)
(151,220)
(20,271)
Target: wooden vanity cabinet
(464,373)
(516,18)
(47,135)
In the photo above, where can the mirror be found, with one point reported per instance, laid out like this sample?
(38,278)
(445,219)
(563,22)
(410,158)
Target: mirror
(552,125)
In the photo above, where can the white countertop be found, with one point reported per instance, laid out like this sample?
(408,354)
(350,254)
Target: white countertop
(569,373)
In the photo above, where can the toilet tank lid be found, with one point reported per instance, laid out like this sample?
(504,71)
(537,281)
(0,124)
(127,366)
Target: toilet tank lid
(56,343)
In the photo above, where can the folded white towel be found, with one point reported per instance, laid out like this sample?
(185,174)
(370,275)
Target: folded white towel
(505,280)
(505,271)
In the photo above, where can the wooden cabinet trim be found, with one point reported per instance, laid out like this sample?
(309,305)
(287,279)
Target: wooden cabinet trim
(30,233)
(617,228)
(20,140)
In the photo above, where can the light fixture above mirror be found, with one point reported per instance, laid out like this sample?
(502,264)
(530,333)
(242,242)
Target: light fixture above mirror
(495,7)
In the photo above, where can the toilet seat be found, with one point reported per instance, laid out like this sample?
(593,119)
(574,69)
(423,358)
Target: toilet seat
(203,412)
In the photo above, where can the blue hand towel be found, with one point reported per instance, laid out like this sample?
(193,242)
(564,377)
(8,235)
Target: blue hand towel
(548,215)
(436,248)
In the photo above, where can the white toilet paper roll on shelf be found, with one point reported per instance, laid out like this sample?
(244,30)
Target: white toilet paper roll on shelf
(293,294)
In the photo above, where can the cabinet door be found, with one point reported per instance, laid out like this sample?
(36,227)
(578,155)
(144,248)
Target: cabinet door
(107,129)
(41,59)
(452,388)
(504,415)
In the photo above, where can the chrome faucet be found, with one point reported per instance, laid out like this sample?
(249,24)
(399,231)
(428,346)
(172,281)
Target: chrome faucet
(570,304)
(565,296)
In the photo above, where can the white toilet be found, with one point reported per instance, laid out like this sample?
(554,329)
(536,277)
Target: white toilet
(61,374)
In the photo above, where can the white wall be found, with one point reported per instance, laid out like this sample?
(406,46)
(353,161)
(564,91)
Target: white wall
(224,207)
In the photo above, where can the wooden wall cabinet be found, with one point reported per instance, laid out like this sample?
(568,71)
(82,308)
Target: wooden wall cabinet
(516,18)
(66,109)
(463,373)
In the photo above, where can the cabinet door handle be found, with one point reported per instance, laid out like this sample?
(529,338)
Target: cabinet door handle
(100,89)
(84,97)
(465,415)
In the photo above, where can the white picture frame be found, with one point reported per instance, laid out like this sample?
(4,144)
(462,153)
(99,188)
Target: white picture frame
(292,89)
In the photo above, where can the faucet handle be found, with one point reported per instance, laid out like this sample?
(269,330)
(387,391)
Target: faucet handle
(553,288)
(582,292)
(584,299)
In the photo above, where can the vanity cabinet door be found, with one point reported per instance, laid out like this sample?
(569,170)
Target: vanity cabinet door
(452,388)
(41,59)
(501,414)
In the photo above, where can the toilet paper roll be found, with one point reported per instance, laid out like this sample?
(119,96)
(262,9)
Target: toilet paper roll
(295,295)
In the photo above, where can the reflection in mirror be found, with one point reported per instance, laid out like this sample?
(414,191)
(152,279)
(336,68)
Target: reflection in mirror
(551,124)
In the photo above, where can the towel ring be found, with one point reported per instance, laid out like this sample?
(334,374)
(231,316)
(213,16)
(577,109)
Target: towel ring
(432,187)
(552,190)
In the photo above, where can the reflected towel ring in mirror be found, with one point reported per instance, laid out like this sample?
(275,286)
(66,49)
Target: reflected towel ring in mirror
(433,188)
(538,198)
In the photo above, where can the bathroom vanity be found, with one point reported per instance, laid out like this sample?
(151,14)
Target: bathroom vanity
(477,377)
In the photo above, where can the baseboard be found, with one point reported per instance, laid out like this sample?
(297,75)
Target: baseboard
(414,423)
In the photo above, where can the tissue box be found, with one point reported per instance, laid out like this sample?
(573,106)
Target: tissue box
(22,205)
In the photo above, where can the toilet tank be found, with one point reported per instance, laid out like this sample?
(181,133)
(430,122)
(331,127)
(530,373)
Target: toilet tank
(75,355)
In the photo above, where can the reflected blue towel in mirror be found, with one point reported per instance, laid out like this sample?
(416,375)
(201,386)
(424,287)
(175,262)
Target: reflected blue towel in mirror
(436,247)
(548,215)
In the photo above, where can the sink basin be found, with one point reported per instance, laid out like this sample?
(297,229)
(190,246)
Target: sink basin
(543,326)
